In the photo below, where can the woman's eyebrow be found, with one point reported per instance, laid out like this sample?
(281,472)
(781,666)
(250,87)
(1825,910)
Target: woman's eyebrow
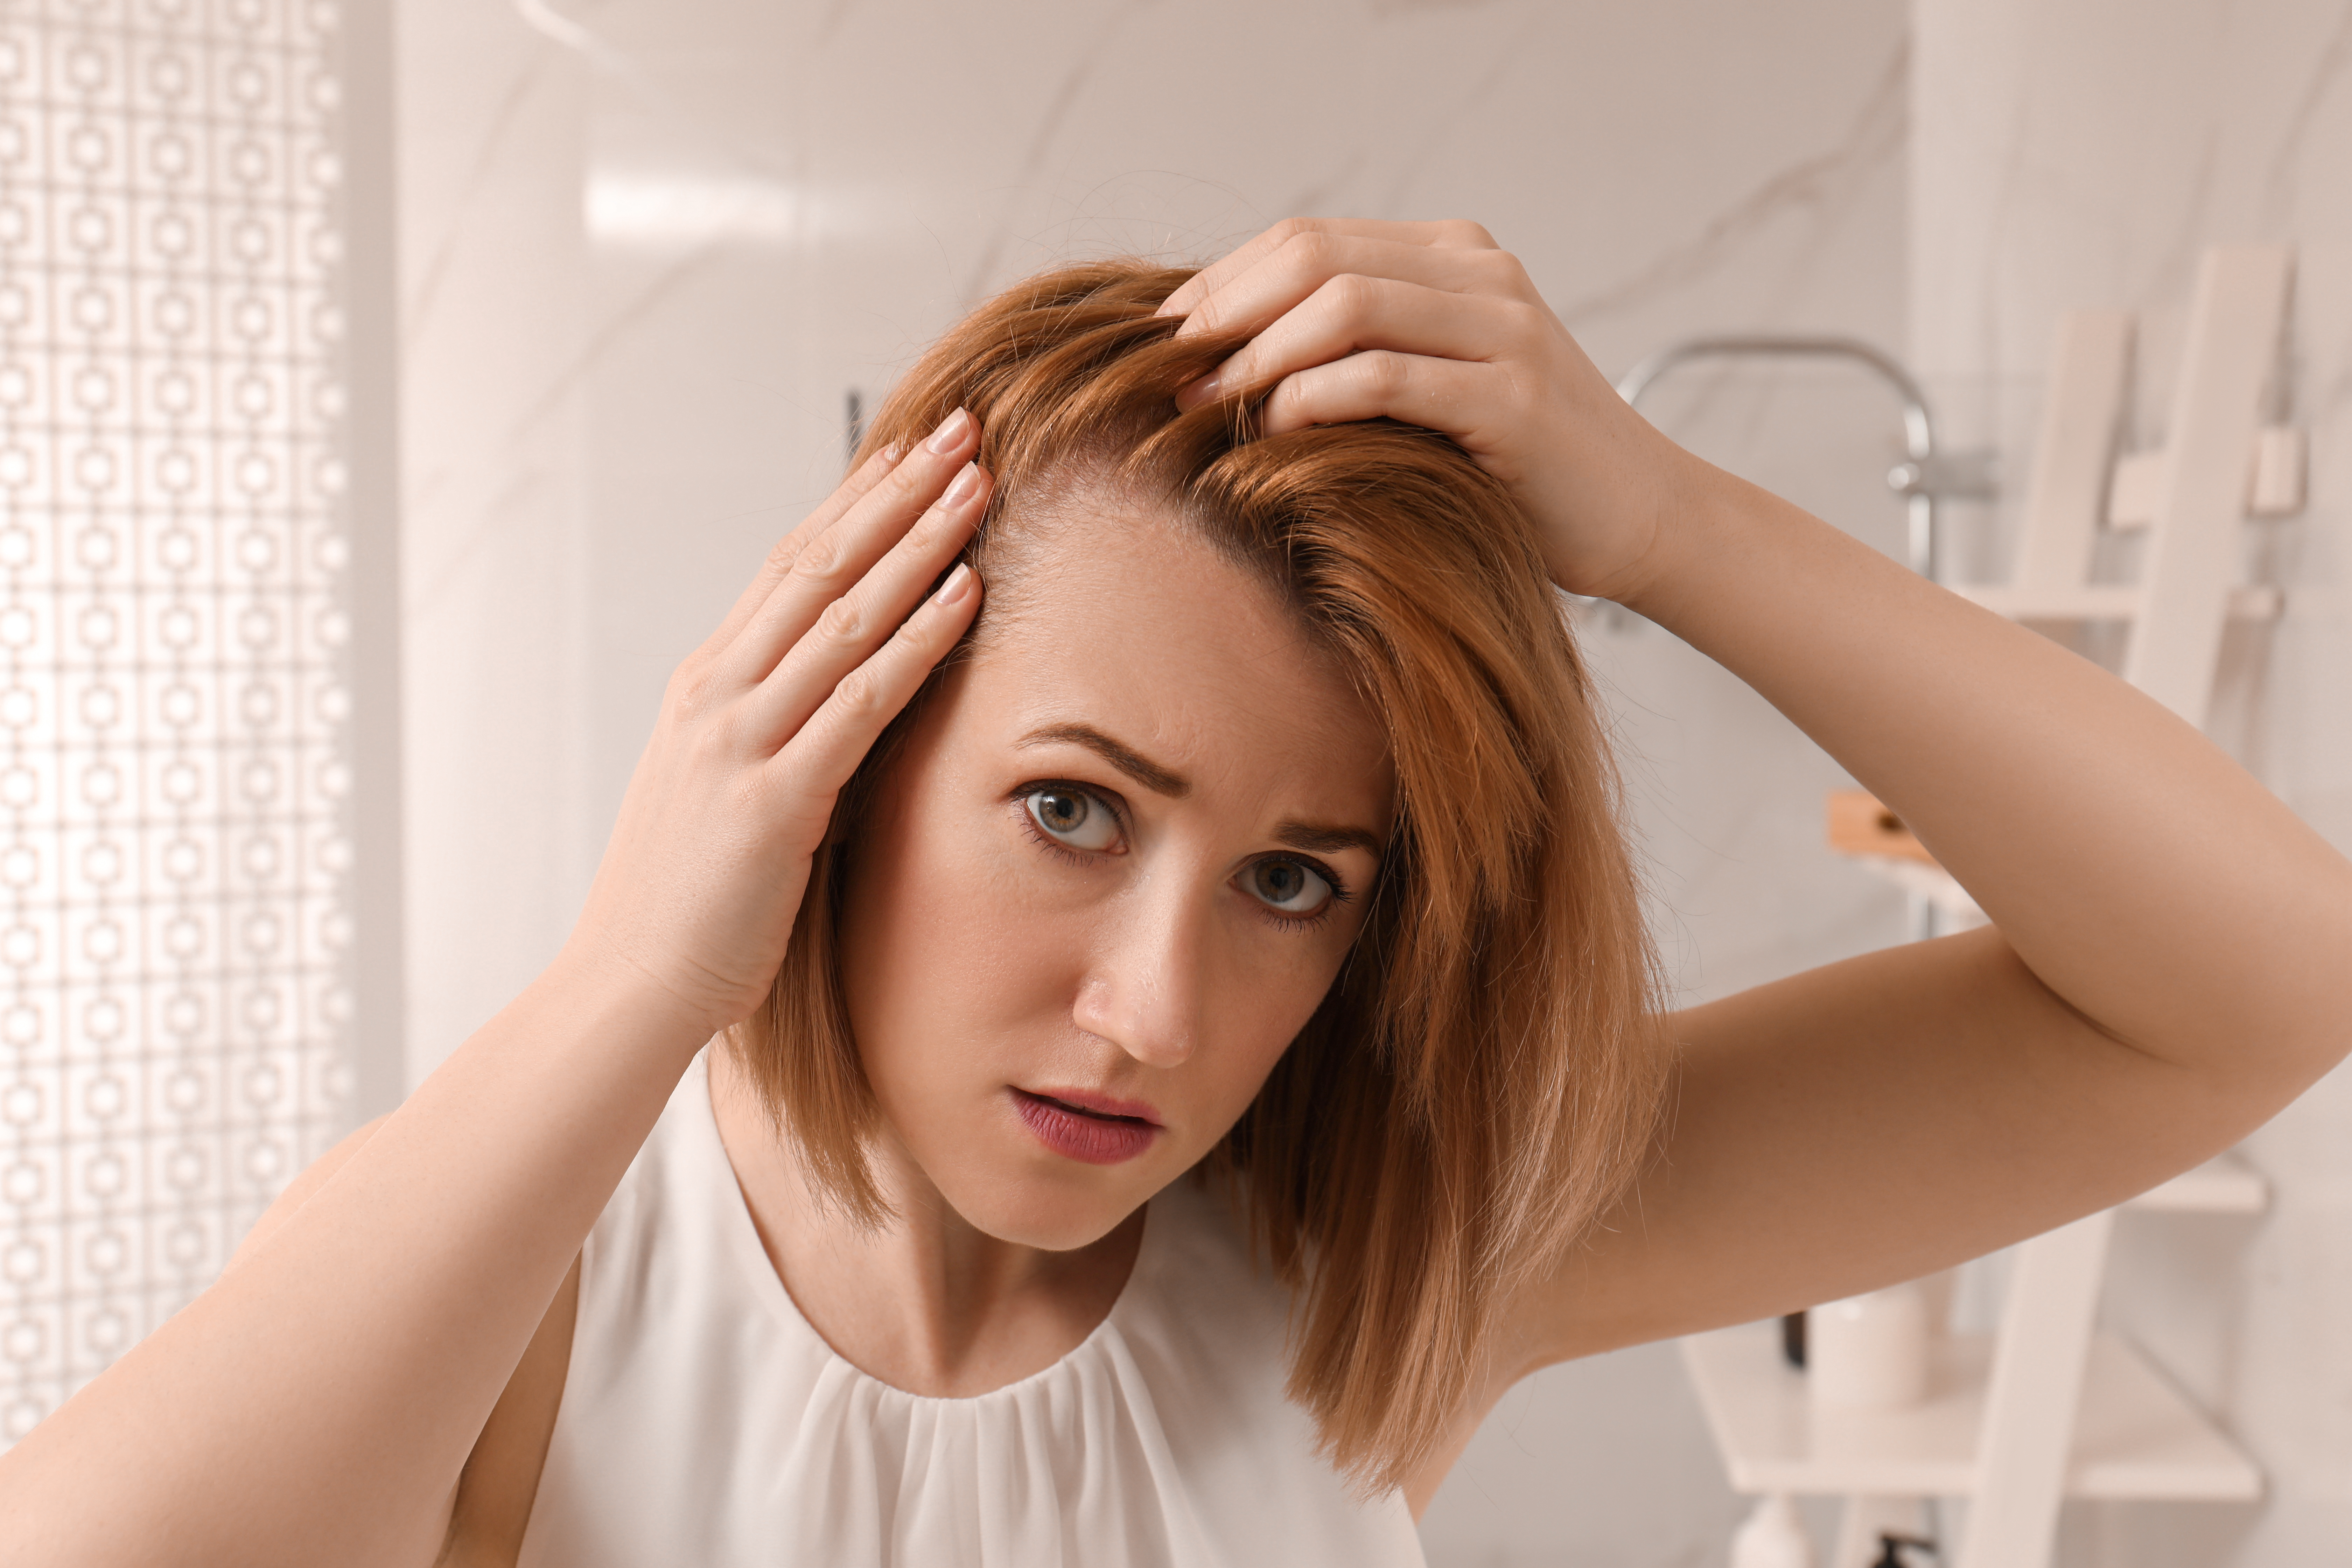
(1151,776)
(1327,840)
(1314,838)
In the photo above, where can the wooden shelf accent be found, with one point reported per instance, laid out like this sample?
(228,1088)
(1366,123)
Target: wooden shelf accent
(2135,1438)
(1858,824)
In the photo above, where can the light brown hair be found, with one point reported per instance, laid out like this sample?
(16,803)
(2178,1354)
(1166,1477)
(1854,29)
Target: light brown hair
(1483,1078)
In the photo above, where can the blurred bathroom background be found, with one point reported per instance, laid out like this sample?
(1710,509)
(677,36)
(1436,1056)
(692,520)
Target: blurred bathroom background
(618,272)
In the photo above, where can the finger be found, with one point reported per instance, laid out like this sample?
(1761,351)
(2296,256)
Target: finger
(1351,313)
(780,558)
(829,563)
(1291,273)
(1448,235)
(1460,398)
(850,492)
(852,625)
(826,750)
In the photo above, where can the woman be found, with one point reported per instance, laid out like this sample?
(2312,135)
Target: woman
(1244,836)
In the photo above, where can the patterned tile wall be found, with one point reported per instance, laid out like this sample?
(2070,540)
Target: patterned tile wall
(174,990)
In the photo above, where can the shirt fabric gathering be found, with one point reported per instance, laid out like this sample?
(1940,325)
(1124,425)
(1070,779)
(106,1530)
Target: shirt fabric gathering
(704,1421)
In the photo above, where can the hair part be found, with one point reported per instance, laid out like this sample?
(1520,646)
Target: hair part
(1484,1078)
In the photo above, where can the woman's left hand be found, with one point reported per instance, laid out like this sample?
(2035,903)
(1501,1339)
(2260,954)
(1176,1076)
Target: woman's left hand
(1433,324)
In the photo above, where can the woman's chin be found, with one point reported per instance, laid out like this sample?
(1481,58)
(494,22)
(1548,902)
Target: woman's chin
(1053,1213)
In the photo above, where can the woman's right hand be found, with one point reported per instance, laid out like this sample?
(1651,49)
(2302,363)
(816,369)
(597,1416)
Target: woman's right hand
(316,1403)
(763,724)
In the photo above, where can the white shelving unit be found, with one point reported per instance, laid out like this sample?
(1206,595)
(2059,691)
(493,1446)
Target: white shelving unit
(2049,1408)
(2221,1186)
(2134,1439)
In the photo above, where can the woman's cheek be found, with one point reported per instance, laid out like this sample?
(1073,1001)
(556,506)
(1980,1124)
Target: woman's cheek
(1256,1018)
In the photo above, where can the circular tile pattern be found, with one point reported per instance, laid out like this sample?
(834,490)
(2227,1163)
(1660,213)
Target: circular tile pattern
(175,846)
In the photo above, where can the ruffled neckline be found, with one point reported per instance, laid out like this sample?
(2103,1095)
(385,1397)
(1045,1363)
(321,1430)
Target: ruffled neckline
(768,1285)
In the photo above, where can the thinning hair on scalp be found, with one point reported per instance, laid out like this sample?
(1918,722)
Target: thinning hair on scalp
(1484,1078)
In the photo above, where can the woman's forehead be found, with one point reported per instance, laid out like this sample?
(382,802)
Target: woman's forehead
(1130,621)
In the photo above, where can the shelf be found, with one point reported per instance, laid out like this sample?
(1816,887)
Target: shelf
(2276,482)
(2103,602)
(2223,1184)
(1931,882)
(2137,1438)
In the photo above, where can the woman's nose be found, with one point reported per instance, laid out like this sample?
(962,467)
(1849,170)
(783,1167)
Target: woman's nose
(1143,991)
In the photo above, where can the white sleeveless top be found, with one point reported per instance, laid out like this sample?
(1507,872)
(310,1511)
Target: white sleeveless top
(706,1425)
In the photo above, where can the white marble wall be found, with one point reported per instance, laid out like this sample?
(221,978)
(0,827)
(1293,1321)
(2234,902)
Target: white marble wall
(786,216)
(2082,152)
(651,244)
(495,327)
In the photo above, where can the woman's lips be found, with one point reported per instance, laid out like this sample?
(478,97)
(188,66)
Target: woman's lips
(1092,1128)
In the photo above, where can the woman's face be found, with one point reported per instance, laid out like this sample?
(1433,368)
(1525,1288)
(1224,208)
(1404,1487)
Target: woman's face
(1112,874)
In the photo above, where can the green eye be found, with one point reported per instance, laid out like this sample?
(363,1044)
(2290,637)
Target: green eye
(1290,886)
(1072,816)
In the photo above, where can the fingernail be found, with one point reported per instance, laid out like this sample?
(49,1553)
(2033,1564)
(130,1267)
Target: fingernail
(958,584)
(1201,391)
(951,433)
(966,486)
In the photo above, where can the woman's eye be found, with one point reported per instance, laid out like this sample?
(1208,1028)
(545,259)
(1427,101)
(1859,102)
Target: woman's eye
(1073,817)
(1288,886)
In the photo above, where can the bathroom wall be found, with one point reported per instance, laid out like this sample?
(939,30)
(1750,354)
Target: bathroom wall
(2082,152)
(495,329)
(649,247)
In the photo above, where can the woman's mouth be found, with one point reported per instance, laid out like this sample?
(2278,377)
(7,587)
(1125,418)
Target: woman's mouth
(1086,1127)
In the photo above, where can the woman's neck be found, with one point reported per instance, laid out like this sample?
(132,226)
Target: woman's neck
(925,1302)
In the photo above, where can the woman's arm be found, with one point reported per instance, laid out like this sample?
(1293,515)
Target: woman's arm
(491,1506)
(317,1404)
(2163,974)
(2166,969)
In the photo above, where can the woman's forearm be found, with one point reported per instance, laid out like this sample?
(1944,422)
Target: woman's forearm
(2142,875)
(316,1404)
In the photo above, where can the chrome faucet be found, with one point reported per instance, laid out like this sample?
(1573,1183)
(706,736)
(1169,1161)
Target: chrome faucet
(1924,475)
